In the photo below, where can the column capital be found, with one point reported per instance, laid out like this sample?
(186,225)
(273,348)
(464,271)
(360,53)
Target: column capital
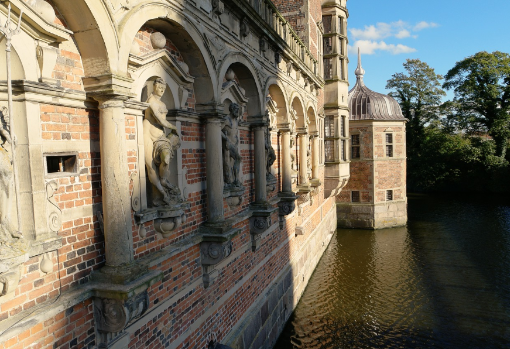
(108,86)
(302,131)
(210,112)
(258,121)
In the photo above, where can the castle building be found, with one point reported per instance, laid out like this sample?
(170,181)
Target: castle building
(171,169)
(375,196)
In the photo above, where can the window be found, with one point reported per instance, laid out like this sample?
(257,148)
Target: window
(329,141)
(342,70)
(355,147)
(329,126)
(342,126)
(328,45)
(354,196)
(328,69)
(341,25)
(389,195)
(389,145)
(344,158)
(61,164)
(329,150)
(326,21)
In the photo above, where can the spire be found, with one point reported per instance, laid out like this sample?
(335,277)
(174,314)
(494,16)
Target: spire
(359,70)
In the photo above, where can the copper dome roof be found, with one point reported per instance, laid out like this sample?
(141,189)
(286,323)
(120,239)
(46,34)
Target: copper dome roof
(365,104)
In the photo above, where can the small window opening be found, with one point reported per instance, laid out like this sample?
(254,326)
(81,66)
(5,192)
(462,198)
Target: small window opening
(389,195)
(60,164)
(355,196)
(389,145)
(355,147)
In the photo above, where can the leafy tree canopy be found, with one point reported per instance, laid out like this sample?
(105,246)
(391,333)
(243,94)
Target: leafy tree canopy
(482,93)
(418,91)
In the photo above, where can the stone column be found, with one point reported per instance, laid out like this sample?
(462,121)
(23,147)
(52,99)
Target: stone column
(286,162)
(315,156)
(303,157)
(115,182)
(214,170)
(260,165)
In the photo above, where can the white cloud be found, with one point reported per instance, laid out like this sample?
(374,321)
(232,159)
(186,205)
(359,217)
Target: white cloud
(381,30)
(424,25)
(369,47)
(404,33)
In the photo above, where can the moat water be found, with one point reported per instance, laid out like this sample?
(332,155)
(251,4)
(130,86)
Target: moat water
(441,282)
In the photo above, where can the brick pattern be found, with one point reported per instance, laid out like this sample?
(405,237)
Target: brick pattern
(73,328)
(63,123)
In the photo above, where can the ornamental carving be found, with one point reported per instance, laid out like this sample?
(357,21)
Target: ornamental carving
(54,211)
(113,315)
(214,252)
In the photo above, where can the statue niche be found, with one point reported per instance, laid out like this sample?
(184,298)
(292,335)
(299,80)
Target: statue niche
(231,157)
(13,247)
(164,198)
(160,148)
(270,159)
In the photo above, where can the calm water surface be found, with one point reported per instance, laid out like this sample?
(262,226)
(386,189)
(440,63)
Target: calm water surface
(441,282)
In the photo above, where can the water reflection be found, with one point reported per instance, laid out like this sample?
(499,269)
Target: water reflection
(441,282)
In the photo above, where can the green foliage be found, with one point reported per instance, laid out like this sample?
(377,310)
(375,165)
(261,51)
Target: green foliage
(453,161)
(482,92)
(458,145)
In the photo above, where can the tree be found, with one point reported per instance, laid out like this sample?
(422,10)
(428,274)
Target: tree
(419,93)
(482,90)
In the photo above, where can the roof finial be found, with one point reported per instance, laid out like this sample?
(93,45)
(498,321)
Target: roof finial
(359,70)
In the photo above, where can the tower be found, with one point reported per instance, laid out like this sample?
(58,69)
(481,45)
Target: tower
(375,196)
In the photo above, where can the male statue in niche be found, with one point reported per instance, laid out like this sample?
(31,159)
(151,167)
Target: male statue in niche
(159,147)
(231,156)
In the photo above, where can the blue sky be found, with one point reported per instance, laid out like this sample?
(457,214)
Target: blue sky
(439,33)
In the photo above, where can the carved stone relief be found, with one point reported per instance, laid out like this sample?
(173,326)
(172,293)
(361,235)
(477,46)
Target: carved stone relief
(113,315)
(217,48)
(54,211)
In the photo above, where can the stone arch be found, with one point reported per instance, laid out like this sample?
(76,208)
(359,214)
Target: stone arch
(275,90)
(297,107)
(94,33)
(185,36)
(311,115)
(246,74)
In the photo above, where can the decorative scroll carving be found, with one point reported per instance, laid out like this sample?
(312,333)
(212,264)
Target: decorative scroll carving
(113,315)
(54,211)
(214,252)
(136,204)
(160,148)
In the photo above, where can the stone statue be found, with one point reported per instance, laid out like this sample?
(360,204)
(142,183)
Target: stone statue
(7,194)
(159,147)
(270,155)
(231,156)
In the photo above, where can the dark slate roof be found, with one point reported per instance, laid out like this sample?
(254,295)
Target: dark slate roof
(365,104)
